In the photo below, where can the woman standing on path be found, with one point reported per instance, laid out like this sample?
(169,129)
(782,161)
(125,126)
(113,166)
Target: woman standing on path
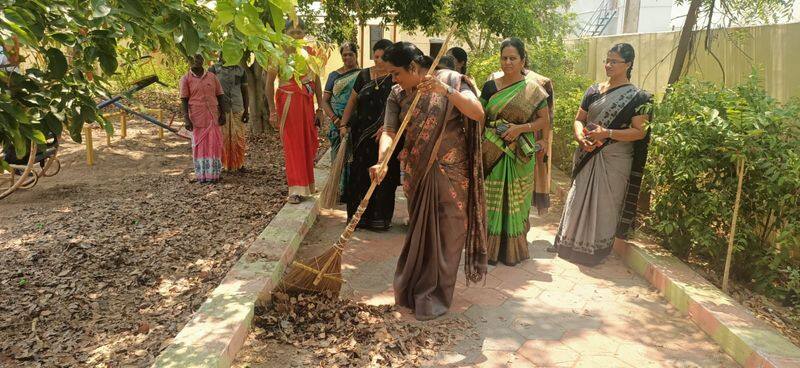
(292,113)
(364,117)
(443,180)
(201,102)
(516,108)
(234,84)
(607,168)
(338,89)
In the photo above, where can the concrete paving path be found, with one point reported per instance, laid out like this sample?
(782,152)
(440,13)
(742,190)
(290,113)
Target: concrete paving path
(544,312)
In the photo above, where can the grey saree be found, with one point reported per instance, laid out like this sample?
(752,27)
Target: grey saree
(601,202)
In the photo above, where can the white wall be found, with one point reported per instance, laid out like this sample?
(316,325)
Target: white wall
(655,16)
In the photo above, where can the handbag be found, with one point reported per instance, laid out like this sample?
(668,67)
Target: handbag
(524,144)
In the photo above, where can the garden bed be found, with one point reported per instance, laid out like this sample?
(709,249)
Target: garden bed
(103,265)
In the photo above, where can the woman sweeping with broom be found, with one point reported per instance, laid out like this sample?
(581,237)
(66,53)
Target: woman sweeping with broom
(443,180)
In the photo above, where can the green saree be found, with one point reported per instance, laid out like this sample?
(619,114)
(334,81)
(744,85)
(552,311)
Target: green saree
(510,166)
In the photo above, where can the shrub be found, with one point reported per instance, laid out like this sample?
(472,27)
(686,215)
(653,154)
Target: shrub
(700,131)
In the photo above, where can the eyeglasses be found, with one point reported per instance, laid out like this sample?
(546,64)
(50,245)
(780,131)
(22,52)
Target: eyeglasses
(613,62)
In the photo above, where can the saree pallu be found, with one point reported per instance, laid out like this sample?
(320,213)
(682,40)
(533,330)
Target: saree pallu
(295,107)
(340,94)
(234,140)
(206,152)
(510,180)
(443,181)
(366,121)
(602,199)
(543,169)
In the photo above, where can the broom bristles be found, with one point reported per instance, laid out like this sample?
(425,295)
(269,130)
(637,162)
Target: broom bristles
(329,197)
(300,276)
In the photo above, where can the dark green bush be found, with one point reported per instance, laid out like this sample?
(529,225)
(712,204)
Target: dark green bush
(700,131)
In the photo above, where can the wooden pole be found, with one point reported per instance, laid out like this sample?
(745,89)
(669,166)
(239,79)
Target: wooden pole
(87,130)
(361,54)
(161,119)
(123,121)
(740,174)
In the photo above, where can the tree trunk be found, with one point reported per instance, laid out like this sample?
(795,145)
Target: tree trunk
(685,41)
(259,110)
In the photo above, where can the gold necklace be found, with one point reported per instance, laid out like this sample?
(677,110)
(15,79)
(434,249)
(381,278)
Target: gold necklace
(378,84)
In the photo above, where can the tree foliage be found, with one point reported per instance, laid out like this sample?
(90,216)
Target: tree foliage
(699,133)
(483,22)
(68,50)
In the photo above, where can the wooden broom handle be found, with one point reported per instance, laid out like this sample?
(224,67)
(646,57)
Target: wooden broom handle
(351,226)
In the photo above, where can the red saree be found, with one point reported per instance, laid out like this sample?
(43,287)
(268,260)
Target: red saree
(295,108)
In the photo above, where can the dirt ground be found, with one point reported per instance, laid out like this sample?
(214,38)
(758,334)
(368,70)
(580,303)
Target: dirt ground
(102,266)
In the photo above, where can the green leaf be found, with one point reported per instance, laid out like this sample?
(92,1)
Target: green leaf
(56,63)
(232,51)
(248,21)
(108,62)
(276,14)
(6,167)
(18,29)
(132,7)
(52,124)
(100,8)
(76,129)
(226,12)
(191,41)
(168,22)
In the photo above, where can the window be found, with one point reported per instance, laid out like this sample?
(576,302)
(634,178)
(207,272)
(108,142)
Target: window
(375,35)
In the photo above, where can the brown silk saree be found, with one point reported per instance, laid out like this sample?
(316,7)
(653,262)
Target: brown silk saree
(443,182)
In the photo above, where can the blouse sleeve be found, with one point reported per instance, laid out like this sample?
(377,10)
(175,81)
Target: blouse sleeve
(360,81)
(486,91)
(391,119)
(587,98)
(331,79)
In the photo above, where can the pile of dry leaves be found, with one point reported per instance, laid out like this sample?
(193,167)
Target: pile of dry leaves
(102,266)
(343,333)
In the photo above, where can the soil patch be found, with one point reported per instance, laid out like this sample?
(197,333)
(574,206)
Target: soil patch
(102,266)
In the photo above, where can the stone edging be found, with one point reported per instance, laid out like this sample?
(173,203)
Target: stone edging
(751,342)
(217,330)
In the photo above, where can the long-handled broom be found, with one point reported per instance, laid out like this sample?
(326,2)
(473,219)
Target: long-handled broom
(330,193)
(324,272)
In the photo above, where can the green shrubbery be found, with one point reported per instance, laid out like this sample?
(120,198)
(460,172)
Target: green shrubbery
(699,133)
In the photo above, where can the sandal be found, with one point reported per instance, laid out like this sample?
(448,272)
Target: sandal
(294,199)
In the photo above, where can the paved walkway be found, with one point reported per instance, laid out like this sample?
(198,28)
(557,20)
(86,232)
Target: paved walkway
(544,312)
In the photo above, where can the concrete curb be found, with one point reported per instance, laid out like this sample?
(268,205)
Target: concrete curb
(217,331)
(751,342)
